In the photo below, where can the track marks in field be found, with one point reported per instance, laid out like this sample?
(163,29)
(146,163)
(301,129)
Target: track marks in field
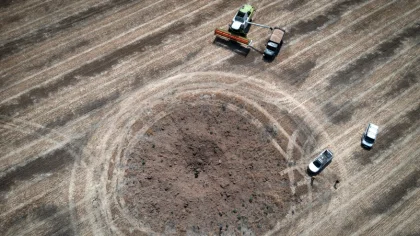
(298,74)
(331,15)
(39,16)
(389,135)
(402,84)
(88,91)
(237,91)
(5,3)
(31,215)
(98,65)
(48,163)
(363,66)
(49,31)
(110,25)
(365,197)
(382,203)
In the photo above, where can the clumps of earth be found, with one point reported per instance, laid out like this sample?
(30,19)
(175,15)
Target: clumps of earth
(206,169)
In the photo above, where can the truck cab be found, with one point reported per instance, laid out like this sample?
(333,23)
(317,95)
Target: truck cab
(240,22)
(274,43)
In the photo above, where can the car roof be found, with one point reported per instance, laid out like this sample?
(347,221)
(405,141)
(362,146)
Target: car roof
(373,126)
(372,131)
(371,134)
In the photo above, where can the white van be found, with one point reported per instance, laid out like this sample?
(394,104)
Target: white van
(369,136)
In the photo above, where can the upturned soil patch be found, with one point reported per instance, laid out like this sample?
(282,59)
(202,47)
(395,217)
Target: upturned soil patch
(206,169)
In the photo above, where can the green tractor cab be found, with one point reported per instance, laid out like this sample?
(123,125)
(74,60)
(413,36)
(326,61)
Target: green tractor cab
(240,22)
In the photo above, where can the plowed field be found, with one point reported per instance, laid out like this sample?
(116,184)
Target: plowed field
(124,117)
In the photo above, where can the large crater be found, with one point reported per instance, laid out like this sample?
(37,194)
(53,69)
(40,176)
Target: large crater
(201,154)
(205,167)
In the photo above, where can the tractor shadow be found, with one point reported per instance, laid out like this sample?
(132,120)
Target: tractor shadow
(232,46)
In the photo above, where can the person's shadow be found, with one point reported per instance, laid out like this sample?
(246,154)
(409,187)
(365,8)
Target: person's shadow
(336,183)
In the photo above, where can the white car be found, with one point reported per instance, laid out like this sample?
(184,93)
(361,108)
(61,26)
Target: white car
(369,136)
(321,161)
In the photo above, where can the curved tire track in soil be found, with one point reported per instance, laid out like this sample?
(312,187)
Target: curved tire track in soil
(120,132)
(34,167)
(109,114)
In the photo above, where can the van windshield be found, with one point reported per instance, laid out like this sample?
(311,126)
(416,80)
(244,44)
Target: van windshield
(240,17)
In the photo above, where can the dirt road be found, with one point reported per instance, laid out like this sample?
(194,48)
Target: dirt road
(124,117)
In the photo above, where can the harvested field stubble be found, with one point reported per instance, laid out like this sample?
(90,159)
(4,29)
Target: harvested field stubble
(128,118)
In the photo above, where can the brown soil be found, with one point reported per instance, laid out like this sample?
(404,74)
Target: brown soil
(203,167)
(103,129)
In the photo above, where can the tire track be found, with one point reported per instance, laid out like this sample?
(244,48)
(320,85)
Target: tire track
(44,10)
(155,89)
(380,56)
(99,219)
(144,66)
(330,64)
(218,17)
(344,112)
(5,7)
(316,40)
(399,115)
(34,54)
(97,61)
(404,209)
(110,41)
(363,193)
(53,29)
(413,220)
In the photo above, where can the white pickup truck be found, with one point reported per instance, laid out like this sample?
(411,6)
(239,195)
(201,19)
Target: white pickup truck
(320,162)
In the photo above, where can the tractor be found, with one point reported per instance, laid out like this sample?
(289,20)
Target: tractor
(239,28)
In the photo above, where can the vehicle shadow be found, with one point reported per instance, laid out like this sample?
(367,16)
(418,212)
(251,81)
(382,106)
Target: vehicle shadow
(232,45)
(366,148)
(310,173)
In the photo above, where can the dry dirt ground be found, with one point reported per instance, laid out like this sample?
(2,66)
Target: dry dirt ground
(124,117)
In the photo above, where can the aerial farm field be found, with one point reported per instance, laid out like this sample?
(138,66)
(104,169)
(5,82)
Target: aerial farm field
(125,117)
